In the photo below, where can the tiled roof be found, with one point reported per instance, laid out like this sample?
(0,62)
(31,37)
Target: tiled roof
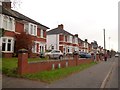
(58,31)
(20,16)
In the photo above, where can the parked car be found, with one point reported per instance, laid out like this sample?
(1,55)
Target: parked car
(56,54)
(84,55)
(116,55)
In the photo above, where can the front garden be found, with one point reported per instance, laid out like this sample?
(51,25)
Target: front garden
(9,67)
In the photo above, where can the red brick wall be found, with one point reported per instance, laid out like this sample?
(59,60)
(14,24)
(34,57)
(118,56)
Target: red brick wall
(44,33)
(38,32)
(61,48)
(37,47)
(46,65)
(9,33)
(42,66)
(7,55)
(19,27)
(61,37)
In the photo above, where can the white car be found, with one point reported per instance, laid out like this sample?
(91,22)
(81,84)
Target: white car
(116,55)
(54,54)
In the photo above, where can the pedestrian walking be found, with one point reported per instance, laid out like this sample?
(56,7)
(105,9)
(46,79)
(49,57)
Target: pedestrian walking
(105,56)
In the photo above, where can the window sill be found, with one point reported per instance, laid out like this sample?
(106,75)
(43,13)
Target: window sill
(41,37)
(9,30)
(7,51)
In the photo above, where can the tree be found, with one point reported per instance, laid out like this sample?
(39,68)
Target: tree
(23,41)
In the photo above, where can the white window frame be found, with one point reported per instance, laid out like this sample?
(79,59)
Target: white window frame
(42,45)
(70,39)
(76,40)
(33,28)
(8,27)
(1,21)
(6,46)
(41,33)
(26,27)
(34,47)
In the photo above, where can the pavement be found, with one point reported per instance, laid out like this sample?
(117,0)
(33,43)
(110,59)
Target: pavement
(92,77)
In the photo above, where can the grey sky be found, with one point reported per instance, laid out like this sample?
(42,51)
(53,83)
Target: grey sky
(88,18)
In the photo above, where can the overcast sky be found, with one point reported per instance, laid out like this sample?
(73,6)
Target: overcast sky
(87,18)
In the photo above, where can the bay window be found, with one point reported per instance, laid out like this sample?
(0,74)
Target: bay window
(30,28)
(7,44)
(5,24)
(8,23)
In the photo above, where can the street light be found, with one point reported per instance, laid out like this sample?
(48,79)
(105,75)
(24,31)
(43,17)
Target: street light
(104,39)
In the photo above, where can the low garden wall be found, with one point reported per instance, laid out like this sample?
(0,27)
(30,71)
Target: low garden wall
(24,67)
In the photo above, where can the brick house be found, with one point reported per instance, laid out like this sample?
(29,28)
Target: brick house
(14,23)
(60,39)
(81,44)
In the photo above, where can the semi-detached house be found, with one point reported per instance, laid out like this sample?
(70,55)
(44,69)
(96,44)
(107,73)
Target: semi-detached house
(60,39)
(14,23)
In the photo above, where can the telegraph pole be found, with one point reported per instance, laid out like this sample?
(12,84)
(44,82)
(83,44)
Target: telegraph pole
(104,39)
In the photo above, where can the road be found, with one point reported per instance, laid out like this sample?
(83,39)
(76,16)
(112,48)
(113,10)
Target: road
(0,81)
(92,77)
(113,79)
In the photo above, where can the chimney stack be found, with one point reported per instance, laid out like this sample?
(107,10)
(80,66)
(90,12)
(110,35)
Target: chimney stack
(76,35)
(6,4)
(61,26)
(86,40)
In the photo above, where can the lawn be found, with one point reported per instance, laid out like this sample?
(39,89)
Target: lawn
(0,65)
(9,68)
(9,65)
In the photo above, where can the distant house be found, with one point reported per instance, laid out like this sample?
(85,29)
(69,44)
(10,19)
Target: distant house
(85,46)
(60,39)
(14,23)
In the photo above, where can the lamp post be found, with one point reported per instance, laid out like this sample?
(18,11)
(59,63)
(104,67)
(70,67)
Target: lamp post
(104,40)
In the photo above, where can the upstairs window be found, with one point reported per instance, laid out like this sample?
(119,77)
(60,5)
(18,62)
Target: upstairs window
(42,33)
(30,28)
(76,40)
(8,23)
(68,38)
(26,28)
(35,30)
(0,21)
(71,39)
(5,24)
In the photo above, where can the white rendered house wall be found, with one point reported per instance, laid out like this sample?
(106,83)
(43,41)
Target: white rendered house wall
(53,41)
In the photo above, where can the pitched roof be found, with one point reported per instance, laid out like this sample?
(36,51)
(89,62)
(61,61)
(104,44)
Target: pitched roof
(20,16)
(58,31)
